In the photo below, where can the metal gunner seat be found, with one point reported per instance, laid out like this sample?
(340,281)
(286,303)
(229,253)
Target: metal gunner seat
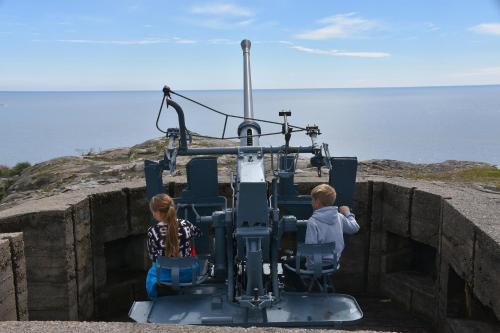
(198,266)
(318,273)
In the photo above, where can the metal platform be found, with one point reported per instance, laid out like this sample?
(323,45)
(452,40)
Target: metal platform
(294,309)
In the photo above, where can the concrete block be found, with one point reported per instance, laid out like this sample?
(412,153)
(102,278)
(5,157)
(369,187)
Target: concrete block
(457,241)
(396,253)
(139,289)
(351,276)
(99,269)
(487,272)
(396,208)
(361,203)
(138,210)
(361,209)
(136,253)
(376,235)
(83,259)
(50,258)
(425,217)
(442,290)
(49,314)
(392,242)
(377,206)
(116,299)
(49,268)
(7,291)
(109,216)
(19,270)
(452,325)
(354,261)
(395,261)
(424,301)
(46,294)
(395,288)
(349,283)
(414,291)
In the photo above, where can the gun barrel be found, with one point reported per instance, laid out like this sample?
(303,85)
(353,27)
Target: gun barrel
(247,80)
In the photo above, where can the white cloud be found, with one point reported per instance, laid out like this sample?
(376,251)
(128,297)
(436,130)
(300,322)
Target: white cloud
(221,9)
(431,26)
(244,23)
(223,41)
(339,26)
(341,53)
(487,28)
(179,40)
(220,23)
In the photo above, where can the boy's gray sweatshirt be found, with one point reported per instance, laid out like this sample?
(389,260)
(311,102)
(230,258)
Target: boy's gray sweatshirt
(327,225)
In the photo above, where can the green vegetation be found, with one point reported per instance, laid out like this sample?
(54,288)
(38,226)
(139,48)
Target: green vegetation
(6,172)
(14,171)
(489,176)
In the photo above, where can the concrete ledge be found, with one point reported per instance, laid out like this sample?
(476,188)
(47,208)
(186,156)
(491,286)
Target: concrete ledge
(112,327)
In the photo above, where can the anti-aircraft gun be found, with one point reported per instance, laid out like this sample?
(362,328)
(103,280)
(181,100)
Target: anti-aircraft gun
(238,282)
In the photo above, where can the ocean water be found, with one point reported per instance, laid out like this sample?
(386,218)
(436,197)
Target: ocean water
(409,124)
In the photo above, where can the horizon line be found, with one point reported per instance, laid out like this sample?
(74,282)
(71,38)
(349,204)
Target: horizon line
(254,89)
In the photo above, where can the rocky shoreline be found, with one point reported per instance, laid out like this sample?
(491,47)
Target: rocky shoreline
(95,169)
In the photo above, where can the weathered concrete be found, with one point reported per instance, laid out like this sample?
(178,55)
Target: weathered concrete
(396,207)
(351,278)
(487,271)
(138,210)
(466,326)
(79,245)
(425,217)
(83,258)
(458,241)
(8,290)
(110,327)
(16,244)
(109,215)
(376,235)
(48,239)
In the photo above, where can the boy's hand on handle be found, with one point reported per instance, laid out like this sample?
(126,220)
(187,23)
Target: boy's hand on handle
(344,210)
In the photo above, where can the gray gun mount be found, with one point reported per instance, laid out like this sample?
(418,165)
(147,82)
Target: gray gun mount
(241,244)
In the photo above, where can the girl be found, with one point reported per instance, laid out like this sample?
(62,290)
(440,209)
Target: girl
(170,237)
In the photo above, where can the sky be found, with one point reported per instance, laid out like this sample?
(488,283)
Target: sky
(98,45)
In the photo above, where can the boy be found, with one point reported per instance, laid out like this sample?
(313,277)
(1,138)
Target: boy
(326,225)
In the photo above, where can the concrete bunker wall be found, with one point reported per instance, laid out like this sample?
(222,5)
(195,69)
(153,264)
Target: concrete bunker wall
(13,291)
(86,258)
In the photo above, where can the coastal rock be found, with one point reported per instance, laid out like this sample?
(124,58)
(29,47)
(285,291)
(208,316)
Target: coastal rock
(73,173)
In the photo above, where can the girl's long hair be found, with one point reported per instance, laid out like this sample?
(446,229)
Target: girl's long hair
(165,206)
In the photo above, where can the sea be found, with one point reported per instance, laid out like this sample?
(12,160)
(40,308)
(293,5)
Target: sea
(423,125)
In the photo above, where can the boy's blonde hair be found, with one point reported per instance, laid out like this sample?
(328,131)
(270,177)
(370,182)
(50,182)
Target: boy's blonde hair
(324,194)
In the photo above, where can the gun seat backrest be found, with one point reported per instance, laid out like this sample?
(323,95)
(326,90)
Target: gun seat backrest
(319,270)
(198,266)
